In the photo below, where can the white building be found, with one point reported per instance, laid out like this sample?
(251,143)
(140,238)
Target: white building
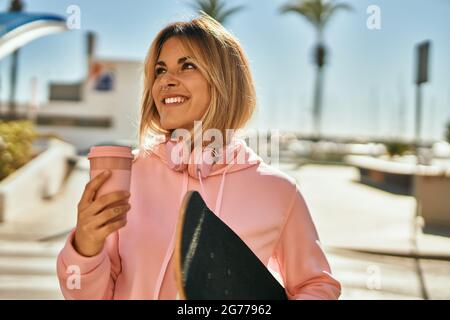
(102,108)
(96,110)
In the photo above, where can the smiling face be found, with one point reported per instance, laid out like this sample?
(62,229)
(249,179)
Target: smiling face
(177,76)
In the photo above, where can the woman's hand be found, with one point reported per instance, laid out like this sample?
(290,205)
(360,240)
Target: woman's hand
(98,219)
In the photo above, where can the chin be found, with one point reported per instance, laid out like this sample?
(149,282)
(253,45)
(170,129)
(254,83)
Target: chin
(171,125)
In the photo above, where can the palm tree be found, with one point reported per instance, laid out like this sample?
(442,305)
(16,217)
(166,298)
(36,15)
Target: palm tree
(215,9)
(318,13)
(15,6)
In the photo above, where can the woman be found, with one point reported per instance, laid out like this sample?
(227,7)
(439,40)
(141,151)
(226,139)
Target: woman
(194,71)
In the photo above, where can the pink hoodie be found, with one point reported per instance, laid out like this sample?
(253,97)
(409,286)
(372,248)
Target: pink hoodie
(260,203)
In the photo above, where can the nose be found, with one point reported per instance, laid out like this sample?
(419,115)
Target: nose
(168,80)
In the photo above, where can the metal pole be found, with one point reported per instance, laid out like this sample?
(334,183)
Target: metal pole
(418,120)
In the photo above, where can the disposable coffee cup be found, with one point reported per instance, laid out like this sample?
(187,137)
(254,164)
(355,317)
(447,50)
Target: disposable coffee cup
(117,159)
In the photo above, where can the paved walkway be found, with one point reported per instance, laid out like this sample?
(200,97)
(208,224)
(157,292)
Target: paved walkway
(28,269)
(352,217)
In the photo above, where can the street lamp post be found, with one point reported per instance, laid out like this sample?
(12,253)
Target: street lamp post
(421,77)
(15,6)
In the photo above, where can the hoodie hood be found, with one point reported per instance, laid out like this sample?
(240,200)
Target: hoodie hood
(234,157)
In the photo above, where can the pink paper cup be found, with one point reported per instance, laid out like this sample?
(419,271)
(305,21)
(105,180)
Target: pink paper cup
(117,159)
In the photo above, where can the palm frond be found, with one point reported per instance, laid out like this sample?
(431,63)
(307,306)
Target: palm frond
(215,9)
(332,9)
(303,11)
(317,12)
(224,15)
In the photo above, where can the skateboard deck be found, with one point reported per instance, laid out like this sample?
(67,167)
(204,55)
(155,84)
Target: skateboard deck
(212,261)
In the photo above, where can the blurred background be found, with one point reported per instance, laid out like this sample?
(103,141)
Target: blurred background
(354,96)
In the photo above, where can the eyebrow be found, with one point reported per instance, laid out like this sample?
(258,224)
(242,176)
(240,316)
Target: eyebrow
(181,60)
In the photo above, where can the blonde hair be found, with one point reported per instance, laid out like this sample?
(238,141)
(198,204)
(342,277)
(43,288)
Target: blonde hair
(221,60)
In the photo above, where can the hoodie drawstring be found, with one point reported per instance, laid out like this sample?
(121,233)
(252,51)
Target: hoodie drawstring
(169,251)
(219,198)
(217,211)
(184,186)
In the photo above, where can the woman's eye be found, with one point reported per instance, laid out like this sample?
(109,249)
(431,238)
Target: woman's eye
(158,71)
(189,64)
(186,65)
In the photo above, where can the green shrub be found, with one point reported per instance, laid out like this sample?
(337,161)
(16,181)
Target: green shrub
(397,148)
(16,138)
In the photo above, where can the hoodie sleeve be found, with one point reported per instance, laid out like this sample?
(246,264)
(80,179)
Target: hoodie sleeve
(301,261)
(89,278)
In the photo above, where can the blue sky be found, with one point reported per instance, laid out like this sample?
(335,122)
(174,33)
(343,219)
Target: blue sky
(369,88)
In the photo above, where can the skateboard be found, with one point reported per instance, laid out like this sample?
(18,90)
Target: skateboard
(213,263)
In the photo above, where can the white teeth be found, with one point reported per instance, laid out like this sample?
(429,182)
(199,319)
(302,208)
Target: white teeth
(174,100)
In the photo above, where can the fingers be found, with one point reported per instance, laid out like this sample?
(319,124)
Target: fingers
(91,188)
(104,201)
(112,227)
(110,214)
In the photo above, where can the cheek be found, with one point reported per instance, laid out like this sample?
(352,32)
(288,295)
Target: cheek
(203,97)
(154,92)
(154,96)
